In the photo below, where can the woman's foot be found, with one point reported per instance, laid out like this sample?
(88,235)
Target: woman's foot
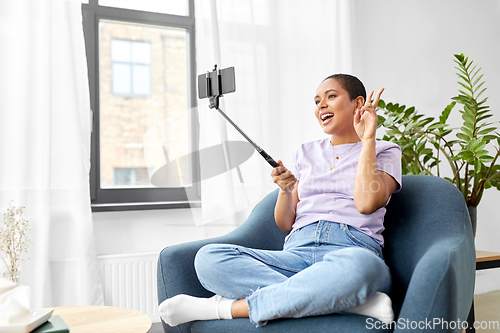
(183,308)
(378,306)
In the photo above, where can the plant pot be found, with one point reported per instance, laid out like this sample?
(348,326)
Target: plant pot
(473,218)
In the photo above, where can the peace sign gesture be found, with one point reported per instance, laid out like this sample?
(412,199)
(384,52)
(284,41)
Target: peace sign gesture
(365,118)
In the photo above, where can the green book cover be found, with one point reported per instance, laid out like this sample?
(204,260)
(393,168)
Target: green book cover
(55,325)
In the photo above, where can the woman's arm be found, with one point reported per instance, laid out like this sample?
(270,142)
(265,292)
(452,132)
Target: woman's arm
(372,187)
(284,212)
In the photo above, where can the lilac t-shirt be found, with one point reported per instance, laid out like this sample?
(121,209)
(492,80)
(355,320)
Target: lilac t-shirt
(328,195)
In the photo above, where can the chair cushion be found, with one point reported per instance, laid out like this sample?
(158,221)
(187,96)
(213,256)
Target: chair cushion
(350,323)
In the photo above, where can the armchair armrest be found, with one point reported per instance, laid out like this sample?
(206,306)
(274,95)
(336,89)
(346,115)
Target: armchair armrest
(441,286)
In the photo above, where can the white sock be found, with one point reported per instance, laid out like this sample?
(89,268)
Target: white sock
(378,306)
(183,308)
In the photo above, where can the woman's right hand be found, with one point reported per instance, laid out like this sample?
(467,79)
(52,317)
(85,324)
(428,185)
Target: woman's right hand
(283,178)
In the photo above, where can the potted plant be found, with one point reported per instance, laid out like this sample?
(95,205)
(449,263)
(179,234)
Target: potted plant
(471,151)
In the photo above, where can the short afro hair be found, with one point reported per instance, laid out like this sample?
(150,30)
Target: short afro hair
(351,84)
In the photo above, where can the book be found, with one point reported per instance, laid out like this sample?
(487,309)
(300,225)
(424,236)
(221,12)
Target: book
(54,325)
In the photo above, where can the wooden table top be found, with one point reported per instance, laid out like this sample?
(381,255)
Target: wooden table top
(103,319)
(487,256)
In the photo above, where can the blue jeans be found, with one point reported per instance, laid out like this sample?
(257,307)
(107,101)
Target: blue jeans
(324,268)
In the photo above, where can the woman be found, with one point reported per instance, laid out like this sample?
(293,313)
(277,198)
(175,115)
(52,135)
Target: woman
(332,200)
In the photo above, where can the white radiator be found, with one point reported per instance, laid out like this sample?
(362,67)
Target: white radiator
(129,281)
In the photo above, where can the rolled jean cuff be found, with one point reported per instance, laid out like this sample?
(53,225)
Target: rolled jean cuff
(253,314)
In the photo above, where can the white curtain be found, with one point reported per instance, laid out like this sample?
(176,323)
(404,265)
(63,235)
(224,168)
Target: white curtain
(281,51)
(45,132)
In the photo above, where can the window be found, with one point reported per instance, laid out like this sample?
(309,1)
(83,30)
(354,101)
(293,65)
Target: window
(141,75)
(131,68)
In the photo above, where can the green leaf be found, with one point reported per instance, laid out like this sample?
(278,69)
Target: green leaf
(480,93)
(415,169)
(477,165)
(467,96)
(461,99)
(426,151)
(479,86)
(425,121)
(483,117)
(489,138)
(486,131)
(466,131)
(446,113)
(486,159)
(393,132)
(389,122)
(409,111)
(436,126)
(446,132)
(479,78)
(467,87)
(467,116)
(409,127)
(475,144)
(466,155)
(463,137)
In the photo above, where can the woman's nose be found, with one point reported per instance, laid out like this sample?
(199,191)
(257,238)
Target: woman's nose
(321,104)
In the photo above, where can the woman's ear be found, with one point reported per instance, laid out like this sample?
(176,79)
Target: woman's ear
(359,102)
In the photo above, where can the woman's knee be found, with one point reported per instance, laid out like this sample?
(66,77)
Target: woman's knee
(366,264)
(210,258)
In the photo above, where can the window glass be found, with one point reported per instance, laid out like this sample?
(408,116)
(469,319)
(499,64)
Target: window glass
(141,83)
(141,53)
(120,50)
(121,79)
(143,80)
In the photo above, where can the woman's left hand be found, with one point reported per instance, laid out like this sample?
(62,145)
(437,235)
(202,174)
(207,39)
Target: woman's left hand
(365,118)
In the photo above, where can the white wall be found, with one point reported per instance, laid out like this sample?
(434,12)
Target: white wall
(405,46)
(408,46)
(150,231)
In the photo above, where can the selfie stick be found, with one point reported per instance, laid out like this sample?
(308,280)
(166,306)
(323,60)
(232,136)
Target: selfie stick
(214,104)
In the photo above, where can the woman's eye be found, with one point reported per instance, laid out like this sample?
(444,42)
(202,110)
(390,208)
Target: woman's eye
(316,102)
(331,96)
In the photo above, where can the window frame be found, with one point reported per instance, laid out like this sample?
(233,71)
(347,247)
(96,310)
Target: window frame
(121,199)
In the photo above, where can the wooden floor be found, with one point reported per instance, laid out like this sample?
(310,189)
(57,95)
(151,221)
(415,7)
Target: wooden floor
(488,309)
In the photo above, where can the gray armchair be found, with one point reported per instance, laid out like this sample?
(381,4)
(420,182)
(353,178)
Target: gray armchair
(429,249)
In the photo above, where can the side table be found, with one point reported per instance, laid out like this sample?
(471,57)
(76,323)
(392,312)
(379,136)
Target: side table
(484,260)
(103,319)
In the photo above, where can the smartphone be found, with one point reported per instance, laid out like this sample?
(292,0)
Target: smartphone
(209,87)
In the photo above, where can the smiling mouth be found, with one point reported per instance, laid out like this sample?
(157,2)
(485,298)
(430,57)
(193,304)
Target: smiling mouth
(326,116)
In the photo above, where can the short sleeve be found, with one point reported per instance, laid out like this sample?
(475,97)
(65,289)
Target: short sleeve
(389,161)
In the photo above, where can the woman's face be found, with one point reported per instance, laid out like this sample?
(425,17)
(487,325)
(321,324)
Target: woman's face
(334,109)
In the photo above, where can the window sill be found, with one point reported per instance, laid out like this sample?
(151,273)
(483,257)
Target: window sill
(114,207)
